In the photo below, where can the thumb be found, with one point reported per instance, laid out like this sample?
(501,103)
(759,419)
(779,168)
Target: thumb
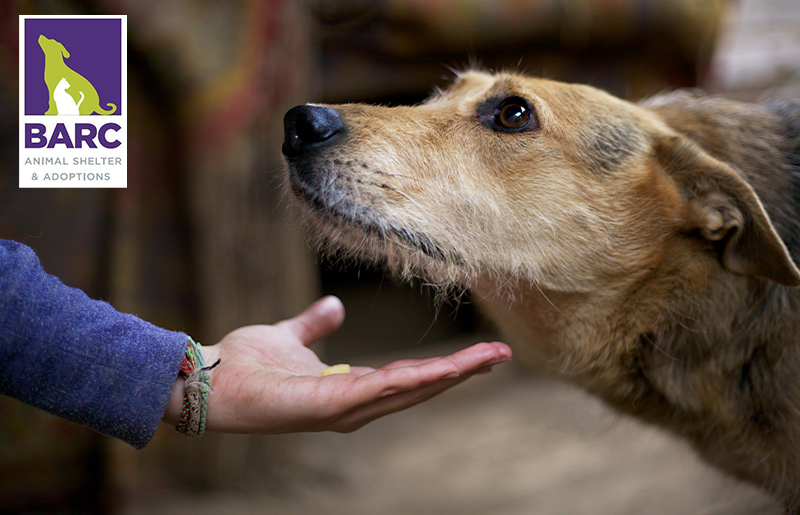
(317,321)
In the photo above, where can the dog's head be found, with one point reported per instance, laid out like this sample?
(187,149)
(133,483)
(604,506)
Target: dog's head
(507,177)
(51,47)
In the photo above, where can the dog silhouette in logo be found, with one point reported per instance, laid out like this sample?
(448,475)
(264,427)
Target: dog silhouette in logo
(70,92)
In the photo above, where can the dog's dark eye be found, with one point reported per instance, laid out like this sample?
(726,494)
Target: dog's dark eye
(513,114)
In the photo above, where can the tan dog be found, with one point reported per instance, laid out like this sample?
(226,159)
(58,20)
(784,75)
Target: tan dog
(644,251)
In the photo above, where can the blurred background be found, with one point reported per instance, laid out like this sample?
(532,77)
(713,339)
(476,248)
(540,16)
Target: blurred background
(203,240)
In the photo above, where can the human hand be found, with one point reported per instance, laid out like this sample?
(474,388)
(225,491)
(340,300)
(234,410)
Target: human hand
(268,380)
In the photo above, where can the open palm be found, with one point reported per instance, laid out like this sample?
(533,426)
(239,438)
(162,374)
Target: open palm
(268,380)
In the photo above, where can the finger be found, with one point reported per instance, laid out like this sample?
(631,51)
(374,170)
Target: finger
(392,379)
(467,359)
(409,362)
(397,402)
(360,371)
(392,388)
(403,400)
(481,354)
(317,321)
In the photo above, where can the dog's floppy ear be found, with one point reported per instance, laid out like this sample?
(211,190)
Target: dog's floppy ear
(725,210)
(63,50)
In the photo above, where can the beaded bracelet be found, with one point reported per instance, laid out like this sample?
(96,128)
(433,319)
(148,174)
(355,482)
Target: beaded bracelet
(198,384)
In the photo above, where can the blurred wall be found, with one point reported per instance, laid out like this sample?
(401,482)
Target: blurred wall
(758,52)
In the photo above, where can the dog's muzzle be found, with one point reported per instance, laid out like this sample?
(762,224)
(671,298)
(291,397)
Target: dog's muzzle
(309,127)
(330,192)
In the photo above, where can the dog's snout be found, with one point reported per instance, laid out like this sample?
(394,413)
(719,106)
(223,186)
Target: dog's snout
(310,125)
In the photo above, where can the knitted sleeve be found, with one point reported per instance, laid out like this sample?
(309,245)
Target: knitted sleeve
(79,358)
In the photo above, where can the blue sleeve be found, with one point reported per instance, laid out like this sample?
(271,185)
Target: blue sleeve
(79,358)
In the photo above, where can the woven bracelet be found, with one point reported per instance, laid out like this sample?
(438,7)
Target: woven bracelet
(196,389)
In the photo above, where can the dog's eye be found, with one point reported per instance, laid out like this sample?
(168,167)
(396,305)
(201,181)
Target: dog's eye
(507,114)
(514,114)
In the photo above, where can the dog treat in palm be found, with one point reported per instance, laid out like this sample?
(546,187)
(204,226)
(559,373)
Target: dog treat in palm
(342,368)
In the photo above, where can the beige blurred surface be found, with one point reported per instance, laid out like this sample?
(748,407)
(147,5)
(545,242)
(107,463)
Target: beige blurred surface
(510,442)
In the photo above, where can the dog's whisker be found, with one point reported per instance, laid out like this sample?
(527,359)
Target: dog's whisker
(547,299)
(398,175)
(402,194)
(656,346)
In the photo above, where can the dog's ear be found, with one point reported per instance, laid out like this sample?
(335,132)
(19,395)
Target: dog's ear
(63,50)
(725,210)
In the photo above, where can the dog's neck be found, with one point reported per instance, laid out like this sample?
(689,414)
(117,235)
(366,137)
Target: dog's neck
(664,366)
(552,329)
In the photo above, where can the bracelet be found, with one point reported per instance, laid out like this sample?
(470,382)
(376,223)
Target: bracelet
(196,390)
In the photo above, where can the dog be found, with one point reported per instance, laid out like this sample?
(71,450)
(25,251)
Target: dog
(647,252)
(79,89)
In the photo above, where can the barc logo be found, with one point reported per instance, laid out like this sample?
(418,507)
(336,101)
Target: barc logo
(73,112)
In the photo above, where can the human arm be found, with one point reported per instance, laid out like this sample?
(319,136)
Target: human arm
(79,358)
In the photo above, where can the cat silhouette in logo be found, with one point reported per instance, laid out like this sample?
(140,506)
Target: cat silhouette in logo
(83,94)
(65,104)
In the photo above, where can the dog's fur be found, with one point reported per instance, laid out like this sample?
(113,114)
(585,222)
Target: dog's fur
(644,251)
(82,92)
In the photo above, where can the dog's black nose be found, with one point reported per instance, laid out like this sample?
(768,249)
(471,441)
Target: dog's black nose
(309,125)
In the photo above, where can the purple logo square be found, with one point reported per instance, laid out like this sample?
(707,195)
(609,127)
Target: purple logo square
(73,64)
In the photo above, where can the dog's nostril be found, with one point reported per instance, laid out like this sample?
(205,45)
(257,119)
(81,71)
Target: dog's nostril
(308,125)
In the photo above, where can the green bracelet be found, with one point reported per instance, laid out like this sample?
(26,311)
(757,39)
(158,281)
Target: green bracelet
(197,387)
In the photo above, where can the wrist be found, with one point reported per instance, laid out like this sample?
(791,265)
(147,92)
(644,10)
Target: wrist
(172,414)
(188,402)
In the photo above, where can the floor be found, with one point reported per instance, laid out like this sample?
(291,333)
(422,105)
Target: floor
(511,442)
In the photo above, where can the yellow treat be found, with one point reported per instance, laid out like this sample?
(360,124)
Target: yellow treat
(336,369)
